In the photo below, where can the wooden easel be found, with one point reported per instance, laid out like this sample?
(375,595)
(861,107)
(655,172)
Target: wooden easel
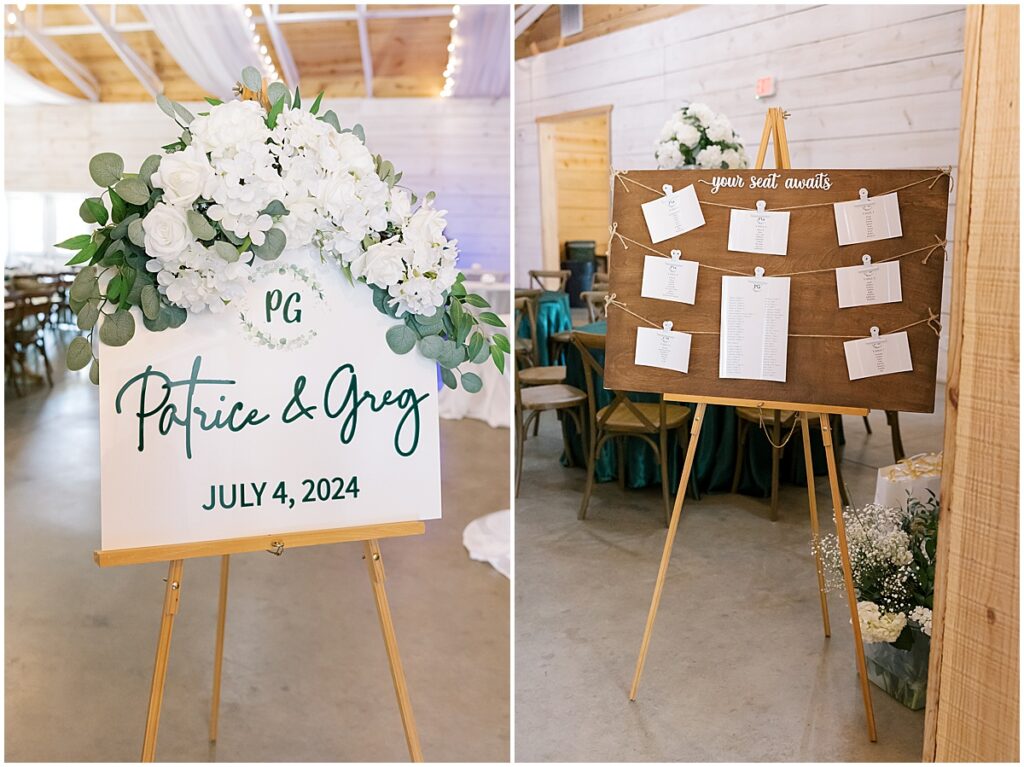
(369,535)
(774,126)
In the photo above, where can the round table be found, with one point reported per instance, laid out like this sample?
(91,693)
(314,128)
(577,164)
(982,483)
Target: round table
(715,460)
(553,316)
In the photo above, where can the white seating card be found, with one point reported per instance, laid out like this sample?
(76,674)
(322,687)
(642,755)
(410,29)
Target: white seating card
(868,219)
(759,231)
(673,214)
(670,279)
(663,348)
(878,355)
(869,284)
(755,327)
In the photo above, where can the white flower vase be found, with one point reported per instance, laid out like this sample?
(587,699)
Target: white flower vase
(903,674)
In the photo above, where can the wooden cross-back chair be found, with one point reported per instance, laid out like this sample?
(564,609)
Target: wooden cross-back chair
(525,348)
(596,308)
(538,276)
(531,401)
(623,418)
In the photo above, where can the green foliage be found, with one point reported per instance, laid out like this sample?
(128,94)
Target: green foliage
(331,119)
(118,328)
(401,339)
(276,109)
(106,169)
(132,189)
(75,243)
(199,226)
(272,246)
(279,92)
(316,103)
(79,353)
(252,79)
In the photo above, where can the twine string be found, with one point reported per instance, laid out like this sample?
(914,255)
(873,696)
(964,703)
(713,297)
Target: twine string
(614,232)
(764,428)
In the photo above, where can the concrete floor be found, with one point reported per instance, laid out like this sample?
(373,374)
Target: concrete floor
(305,673)
(738,668)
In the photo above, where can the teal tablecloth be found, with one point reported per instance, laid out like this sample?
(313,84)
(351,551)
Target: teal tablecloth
(553,316)
(715,460)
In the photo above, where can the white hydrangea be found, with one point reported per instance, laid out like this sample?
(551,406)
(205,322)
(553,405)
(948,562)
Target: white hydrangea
(720,129)
(199,280)
(922,616)
(733,159)
(687,135)
(229,128)
(876,626)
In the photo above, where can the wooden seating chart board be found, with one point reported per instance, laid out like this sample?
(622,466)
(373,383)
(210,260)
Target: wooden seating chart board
(816,366)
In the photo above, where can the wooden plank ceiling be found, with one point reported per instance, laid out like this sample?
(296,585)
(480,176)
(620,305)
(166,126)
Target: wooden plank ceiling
(545,33)
(408,54)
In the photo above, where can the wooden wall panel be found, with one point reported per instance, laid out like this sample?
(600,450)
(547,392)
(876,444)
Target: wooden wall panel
(872,86)
(581,157)
(973,709)
(455,147)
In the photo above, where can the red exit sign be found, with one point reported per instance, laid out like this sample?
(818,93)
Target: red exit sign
(765,87)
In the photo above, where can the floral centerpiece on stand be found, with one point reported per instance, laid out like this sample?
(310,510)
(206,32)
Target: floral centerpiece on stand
(245,180)
(892,557)
(696,136)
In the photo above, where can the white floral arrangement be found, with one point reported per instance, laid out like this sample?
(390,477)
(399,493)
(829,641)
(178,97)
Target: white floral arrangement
(245,180)
(696,136)
(892,557)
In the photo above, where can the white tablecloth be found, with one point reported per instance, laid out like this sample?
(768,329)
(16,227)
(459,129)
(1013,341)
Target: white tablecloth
(488,539)
(492,404)
(497,294)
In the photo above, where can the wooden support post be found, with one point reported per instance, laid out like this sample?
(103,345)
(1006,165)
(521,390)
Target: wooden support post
(673,525)
(218,653)
(172,595)
(844,555)
(805,427)
(375,564)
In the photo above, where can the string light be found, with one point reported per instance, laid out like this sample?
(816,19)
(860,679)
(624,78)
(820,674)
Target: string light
(259,49)
(12,18)
(453,60)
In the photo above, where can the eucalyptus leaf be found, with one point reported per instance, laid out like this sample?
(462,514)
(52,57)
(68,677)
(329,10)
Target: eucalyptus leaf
(121,229)
(252,79)
(166,106)
(85,212)
(277,91)
(272,246)
(150,298)
(199,226)
(136,233)
(331,119)
(226,251)
(149,167)
(183,113)
(160,323)
(482,354)
(472,383)
(133,190)
(88,315)
(401,339)
(79,353)
(360,133)
(449,378)
(106,168)
(275,208)
(431,347)
(83,284)
(94,372)
(176,316)
(118,328)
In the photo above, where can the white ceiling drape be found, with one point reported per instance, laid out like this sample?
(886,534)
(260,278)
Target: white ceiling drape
(484,50)
(211,43)
(22,88)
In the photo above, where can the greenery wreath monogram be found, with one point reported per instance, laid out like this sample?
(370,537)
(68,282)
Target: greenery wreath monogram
(185,234)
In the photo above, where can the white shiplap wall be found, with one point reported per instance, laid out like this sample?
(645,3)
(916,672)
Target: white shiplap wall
(458,148)
(867,87)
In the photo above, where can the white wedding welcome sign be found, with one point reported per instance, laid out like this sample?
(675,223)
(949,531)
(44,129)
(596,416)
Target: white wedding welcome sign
(286,412)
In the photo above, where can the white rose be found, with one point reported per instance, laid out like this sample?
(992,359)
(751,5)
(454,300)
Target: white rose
(734,159)
(383,264)
(668,156)
(687,135)
(400,207)
(426,225)
(184,176)
(167,235)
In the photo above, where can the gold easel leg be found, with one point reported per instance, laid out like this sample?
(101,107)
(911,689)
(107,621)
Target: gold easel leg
(172,595)
(376,565)
(815,534)
(691,450)
(218,656)
(851,594)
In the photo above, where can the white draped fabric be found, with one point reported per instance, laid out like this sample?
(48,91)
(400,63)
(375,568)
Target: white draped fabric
(211,43)
(484,50)
(22,88)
